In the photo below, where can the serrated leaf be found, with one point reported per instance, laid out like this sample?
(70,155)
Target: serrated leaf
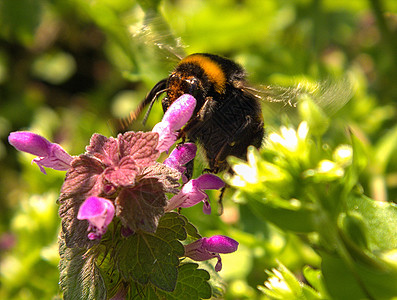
(169,177)
(122,174)
(141,146)
(82,179)
(191,229)
(140,207)
(192,284)
(103,148)
(80,278)
(172,226)
(146,257)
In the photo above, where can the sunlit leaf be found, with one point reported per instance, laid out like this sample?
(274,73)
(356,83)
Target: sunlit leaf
(80,276)
(145,257)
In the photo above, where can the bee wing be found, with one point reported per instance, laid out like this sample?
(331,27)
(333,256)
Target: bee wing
(156,49)
(331,95)
(155,35)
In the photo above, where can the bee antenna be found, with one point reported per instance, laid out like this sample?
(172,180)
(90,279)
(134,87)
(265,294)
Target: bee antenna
(122,124)
(155,97)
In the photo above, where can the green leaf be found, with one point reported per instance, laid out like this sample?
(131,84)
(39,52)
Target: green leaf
(192,284)
(385,148)
(172,226)
(359,161)
(299,220)
(381,221)
(339,280)
(353,228)
(190,228)
(80,278)
(359,281)
(316,280)
(146,257)
(381,284)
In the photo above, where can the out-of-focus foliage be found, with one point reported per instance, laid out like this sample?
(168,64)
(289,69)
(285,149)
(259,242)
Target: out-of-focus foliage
(320,194)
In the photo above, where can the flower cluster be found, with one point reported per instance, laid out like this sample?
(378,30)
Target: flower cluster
(120,177)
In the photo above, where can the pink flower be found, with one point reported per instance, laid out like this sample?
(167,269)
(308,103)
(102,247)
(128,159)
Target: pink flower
(180,156)
(99,212)
(207,248)
(193,192)
(174,118)
(50,155)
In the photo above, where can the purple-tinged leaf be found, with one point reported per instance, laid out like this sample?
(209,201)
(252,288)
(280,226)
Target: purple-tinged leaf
(122,175)
(141,146)
(140,207)
(169,177)
(105,149)
(83,179)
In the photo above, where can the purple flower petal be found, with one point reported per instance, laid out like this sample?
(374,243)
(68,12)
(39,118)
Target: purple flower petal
(180,112)
(99,212)
(193,192)
(49,154)
(220,244)
(209,182)
(206,207)
(218,265)
(207,248)
(30,142)
(180,156)
(174,118)
(167,137)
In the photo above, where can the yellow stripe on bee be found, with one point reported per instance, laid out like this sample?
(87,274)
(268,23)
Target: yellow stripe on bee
(214,72)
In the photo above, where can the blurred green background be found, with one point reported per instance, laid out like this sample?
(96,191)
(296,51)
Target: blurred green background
(69,66)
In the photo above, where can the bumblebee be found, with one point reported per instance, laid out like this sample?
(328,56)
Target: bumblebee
(228,116)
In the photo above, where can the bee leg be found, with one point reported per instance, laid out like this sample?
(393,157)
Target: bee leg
(220,200)
(182,135)
(189,169)
(203,114)
(207,109)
